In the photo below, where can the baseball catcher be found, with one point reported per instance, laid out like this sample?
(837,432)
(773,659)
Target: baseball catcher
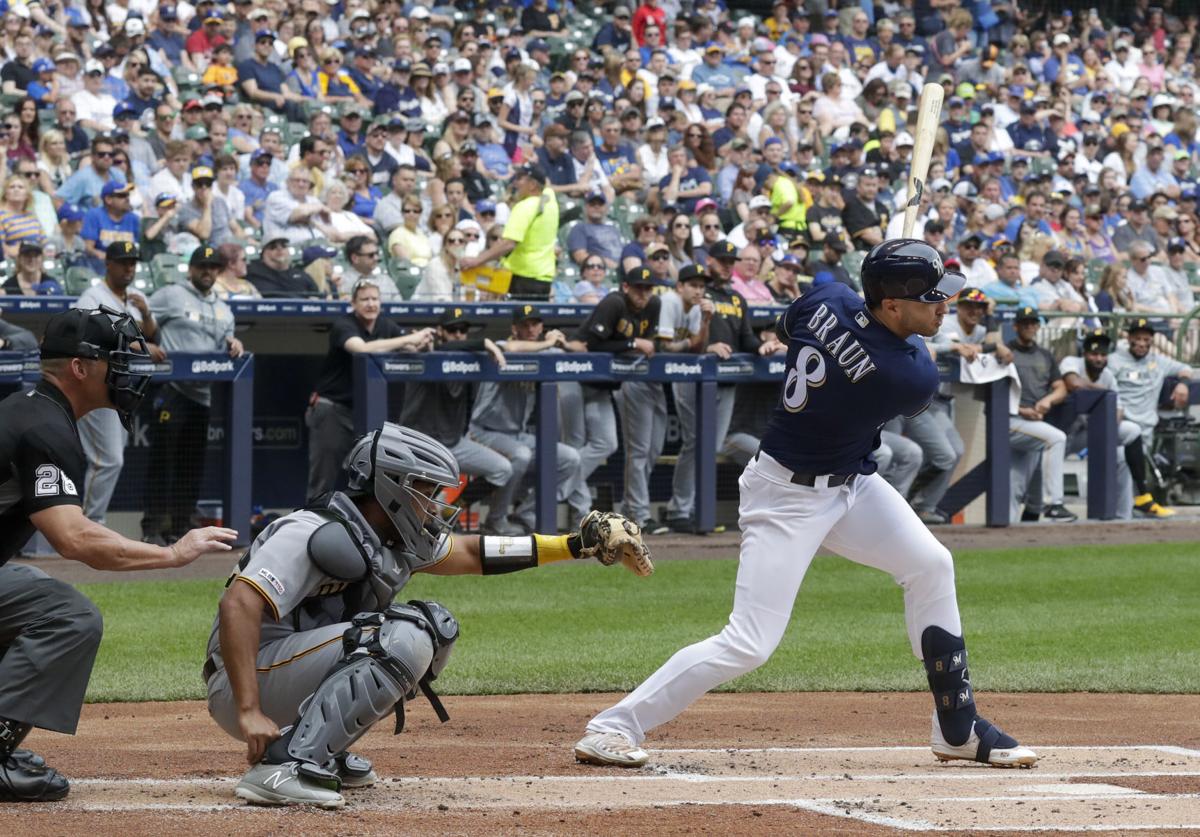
(309,648)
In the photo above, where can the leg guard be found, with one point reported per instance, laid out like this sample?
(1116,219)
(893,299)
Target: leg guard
(945,658)
(380,670)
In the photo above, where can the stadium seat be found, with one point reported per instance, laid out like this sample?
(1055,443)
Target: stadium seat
(79,279)
(164,266)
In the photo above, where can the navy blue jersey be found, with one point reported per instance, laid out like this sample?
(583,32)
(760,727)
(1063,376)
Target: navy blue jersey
(847,375)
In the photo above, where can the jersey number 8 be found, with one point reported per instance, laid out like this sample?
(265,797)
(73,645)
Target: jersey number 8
(809,371)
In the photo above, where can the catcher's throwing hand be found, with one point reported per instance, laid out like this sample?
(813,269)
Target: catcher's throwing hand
(610,537)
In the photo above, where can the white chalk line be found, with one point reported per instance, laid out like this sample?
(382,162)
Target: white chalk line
(840,807)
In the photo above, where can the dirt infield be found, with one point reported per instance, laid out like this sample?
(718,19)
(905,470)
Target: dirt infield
(733,764)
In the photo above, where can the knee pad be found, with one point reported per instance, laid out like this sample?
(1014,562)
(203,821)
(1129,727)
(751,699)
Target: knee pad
(945,657)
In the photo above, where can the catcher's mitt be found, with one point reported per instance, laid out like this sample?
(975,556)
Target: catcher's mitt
(610,538)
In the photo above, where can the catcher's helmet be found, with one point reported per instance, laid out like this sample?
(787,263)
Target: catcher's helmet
(386,463)
(905,268)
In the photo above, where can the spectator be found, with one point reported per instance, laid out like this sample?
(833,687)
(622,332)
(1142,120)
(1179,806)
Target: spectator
(408,242)
(1054,293)
(204,217)
(226,190)
(93,105)
(527,248)
(190,318)
(1150,289)
(363,255)
(591,286)
(53,161)
(29,277)
(273,274)
(746,279)
(84,186)
(389,211)
(18,224)
(231,280)
(342,223)
(593,236)
(1135,226)
(1153,176)
(294,213)
(112,221)
(440,279)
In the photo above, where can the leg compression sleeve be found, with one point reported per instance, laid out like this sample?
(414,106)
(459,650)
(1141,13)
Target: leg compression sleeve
(945,658)
(1135,458)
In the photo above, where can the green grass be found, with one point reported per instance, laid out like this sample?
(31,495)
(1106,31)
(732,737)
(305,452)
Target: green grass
(1105,619)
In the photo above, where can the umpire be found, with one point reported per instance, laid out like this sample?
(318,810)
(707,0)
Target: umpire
(49,631)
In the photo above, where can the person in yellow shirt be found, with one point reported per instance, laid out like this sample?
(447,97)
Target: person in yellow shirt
(526,247)
(221,71)
(786,204)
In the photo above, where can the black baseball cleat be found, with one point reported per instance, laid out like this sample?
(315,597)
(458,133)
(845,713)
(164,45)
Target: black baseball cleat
(24,777)
(1060,514)
(1030,516)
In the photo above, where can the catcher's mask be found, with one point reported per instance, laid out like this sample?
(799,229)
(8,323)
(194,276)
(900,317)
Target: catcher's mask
(112,336)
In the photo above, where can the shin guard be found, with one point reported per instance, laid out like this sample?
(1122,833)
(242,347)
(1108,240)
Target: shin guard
(946,667)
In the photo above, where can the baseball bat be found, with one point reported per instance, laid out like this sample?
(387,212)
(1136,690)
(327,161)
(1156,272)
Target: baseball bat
(929,112)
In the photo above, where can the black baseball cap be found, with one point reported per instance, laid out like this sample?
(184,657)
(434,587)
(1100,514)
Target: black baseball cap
(1140,324)
(524,313)
(454,316)
(206,257)
(693,271)
(535,172)
(639,275)
(1028,313)
(723,250)
(1097,340)
(122,251)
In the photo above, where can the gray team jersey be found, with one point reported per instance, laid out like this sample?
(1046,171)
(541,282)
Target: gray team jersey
(1075,365)
(504,407)
(299,595)
(673,322)
(1140,381)
(189,321)
(101,294)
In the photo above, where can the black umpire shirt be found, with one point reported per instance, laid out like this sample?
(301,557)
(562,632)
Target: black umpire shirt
(336,381)
(42,461)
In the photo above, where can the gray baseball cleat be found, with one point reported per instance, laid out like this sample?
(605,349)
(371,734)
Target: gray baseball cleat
(987,744)
(354,771)
(285,784)
(610,748)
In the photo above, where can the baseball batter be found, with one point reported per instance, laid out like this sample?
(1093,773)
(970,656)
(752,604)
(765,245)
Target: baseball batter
(309,650)
(851,367)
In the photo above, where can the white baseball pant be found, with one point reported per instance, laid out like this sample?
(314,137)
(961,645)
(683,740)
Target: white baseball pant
(783,525)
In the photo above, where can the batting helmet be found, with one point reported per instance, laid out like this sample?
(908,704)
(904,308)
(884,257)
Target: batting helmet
(905,268)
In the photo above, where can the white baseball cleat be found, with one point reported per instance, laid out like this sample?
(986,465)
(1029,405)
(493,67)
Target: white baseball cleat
(283,784)
(986,744)
(610,748)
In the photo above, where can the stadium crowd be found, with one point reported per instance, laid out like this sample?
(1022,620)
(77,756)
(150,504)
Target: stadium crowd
(671,164)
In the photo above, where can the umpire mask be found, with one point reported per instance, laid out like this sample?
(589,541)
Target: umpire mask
(104,334)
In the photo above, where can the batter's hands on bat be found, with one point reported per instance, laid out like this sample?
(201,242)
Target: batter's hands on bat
(609,537)
(258,731)
(197,542)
